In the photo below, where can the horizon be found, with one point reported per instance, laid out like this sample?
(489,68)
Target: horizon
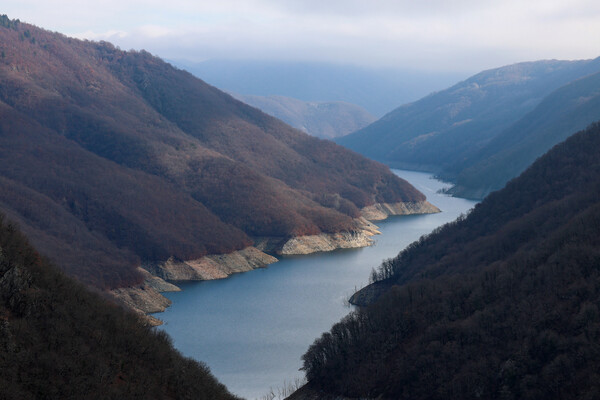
(465,37)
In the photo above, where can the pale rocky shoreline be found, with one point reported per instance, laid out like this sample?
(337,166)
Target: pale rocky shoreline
(146,297)
(380,211)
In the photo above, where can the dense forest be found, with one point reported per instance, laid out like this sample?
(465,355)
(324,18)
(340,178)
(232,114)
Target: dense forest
(500,304)
(59,341)
(109,158)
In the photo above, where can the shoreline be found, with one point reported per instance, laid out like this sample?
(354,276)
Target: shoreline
(146,298)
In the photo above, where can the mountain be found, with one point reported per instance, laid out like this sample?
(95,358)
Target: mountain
(568,109)
(442,130)
(111,159)
(376,90)
(325,120)
(59,341)
(502,303)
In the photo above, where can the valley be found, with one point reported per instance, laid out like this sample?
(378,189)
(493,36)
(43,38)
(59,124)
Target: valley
(486,130)
(213,214)
(252,328)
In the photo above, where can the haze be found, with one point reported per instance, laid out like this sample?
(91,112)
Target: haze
(462,36)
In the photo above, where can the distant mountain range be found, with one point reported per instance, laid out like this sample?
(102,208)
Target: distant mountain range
(502,303)
(377,90)
(326,120)
(110,158)
(570,108)
(487,129)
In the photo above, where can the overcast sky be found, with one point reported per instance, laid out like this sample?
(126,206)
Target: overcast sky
(459,35)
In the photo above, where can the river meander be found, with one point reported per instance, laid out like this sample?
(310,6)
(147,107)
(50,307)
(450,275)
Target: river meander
(252,328)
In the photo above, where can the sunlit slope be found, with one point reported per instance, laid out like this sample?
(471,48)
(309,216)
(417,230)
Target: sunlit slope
(110,157)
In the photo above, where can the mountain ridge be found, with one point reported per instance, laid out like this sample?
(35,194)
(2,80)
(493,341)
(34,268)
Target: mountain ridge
(569,108)
(147,162)
(448,126)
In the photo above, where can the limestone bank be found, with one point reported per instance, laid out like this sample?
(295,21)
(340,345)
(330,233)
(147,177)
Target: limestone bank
(146,298)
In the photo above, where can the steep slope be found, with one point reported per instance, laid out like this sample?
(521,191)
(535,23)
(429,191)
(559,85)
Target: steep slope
(500,304)
(325,120)
(59,341)
(566,110)
(95,218)
(112,158)
(449,126)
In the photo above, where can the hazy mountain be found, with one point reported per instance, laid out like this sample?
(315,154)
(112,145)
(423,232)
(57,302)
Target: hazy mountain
(324,120)
(110,157)
(58,341)
(447,127)
(376,90)
(566,110)
(500,304)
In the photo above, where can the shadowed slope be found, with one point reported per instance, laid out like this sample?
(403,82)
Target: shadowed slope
(59,341)
(499,304)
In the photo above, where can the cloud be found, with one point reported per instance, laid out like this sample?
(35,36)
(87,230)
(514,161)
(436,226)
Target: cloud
(433,34)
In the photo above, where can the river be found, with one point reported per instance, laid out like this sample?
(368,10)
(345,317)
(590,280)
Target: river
(251,329)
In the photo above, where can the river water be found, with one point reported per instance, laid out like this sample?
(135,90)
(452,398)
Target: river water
(251,329)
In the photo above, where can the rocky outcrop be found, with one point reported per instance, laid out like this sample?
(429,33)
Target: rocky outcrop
(143,300)
(360,236)
(379,211)
(211,266)
(369,293)
(367,226)
(146,297)
(326,242)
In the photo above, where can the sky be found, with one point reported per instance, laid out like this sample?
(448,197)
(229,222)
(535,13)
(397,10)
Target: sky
(459,35)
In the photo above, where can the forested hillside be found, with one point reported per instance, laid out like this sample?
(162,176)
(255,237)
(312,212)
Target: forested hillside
(59,341)
(447,126)
(110,157)
(566,110)
(500,304)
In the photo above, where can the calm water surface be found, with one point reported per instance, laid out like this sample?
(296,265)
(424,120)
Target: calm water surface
(252,328)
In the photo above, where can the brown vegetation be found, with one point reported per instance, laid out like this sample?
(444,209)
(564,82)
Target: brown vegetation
(145,161)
